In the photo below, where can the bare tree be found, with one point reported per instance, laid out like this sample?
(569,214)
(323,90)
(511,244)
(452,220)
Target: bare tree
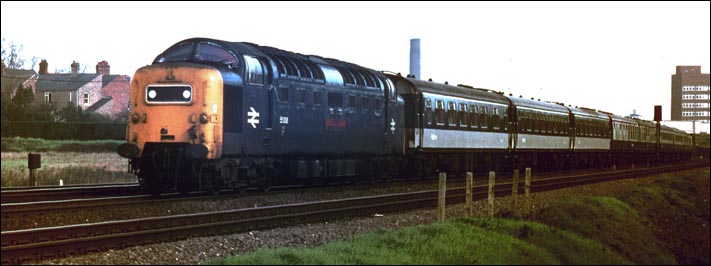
(11,55)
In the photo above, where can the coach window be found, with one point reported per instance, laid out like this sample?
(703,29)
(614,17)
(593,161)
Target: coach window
(463,115)
(494,122)
(452,113)
(484,117)
(474,115)
(255,70)
(439,108)
(428,111)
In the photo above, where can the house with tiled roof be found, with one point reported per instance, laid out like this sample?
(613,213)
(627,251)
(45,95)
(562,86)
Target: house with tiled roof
(98,92)
(12,78)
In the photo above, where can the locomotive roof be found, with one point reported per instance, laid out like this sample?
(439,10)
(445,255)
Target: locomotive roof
(547,106)
(288,61)
(456,91)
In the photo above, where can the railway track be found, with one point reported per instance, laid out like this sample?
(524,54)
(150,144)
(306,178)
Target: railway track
(34,245)
(50,193)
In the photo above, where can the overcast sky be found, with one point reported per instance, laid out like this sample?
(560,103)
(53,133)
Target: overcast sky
(614,56)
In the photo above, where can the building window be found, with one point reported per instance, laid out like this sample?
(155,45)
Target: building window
(48,97)
(86,99)
(70,97)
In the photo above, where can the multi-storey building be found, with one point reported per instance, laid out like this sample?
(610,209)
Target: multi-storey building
(690,95)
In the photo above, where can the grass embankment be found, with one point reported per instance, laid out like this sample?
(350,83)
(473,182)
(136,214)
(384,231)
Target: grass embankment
(665,222)
(72,161)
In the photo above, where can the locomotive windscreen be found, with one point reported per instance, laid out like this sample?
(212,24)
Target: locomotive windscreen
(169,94)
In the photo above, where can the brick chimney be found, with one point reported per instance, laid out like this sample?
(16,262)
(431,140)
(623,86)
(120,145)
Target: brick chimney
(75,67)
(103,68)
(43,67)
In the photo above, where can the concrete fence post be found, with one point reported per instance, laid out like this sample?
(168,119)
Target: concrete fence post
(492,178)
(514,190)
(442,195)
(527,189)
(470,187)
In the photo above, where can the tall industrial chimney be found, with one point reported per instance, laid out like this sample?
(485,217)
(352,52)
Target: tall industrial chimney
(415,58)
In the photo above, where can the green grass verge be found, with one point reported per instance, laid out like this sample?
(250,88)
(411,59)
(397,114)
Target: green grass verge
(465,241)
(665,222)
(17,144)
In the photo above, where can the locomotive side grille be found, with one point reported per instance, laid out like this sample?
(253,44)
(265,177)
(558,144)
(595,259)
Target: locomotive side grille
(158,94)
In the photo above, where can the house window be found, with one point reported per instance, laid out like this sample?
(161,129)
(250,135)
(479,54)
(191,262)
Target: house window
(86,99)
(70,97)
(48,97)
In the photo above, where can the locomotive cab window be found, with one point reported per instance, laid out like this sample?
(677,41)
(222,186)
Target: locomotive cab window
(255,70)
(213,53)
(179,53)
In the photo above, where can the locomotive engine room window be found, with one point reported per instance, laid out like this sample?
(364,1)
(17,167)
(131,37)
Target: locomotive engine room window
(301,96)
(255,70)
(364,103)
(428,111)
(317,98)
(377,106)
(335,99)
(463,115)
(351,104)
(452,113)
(213,53)
(439,108)
(283,94)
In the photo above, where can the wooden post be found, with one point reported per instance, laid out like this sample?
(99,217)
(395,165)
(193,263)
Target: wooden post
(492,176)
(470,187)
(514,190)
(442,195)
(528,189)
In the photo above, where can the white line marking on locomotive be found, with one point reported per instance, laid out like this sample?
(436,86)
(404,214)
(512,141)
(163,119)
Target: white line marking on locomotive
(284,120)
(392,125)
(253,117)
